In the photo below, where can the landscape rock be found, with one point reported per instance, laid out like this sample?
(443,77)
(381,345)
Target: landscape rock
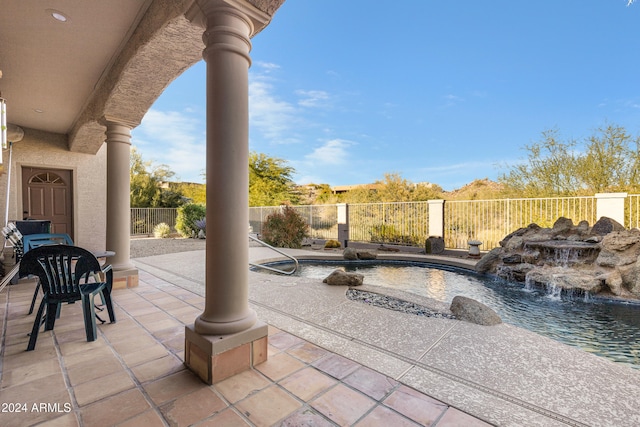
(472,311)
(342,278)
(434,245)
(350,254)
(562,225)
(561,277)
(488,261)
(606,225)
(604,258)
(366,256)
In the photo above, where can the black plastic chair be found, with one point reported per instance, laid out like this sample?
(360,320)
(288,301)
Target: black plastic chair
(31,241)
(67,274)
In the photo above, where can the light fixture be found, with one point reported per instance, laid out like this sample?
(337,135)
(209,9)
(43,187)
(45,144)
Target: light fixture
(57,15)
(39,111)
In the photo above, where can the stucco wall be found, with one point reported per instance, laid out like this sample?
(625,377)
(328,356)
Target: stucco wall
(45,150)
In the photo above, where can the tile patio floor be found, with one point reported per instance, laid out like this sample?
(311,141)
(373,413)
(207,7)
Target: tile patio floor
(133,374)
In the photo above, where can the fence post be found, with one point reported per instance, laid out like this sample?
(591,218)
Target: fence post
(343,224)
(611,205)
(436,218)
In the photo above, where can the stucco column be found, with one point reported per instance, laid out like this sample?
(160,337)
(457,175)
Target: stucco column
(118,198)
(227,337)
(226,53)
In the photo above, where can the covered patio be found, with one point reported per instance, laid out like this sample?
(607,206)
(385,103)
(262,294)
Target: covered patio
(134,374)
(76,81)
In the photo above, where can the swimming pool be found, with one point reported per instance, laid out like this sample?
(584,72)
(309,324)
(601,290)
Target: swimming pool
(608,329)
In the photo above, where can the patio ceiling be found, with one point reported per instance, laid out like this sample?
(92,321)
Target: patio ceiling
(97,61)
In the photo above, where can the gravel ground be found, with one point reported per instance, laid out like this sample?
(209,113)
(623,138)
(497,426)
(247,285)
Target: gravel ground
(149,246)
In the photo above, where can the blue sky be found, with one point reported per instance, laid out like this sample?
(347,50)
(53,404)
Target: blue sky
(438,91)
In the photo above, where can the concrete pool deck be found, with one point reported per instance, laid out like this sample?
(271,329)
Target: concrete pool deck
(501,374)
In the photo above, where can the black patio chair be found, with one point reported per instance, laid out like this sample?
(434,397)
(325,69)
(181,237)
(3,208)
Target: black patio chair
(67,274)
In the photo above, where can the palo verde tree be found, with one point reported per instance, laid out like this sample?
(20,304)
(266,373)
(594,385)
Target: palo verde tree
(270,181)
(608,160)
(146,184)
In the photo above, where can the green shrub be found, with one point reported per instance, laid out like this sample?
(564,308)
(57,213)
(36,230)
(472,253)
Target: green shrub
(331,244)
(161,231)
(187,216)
(285,229)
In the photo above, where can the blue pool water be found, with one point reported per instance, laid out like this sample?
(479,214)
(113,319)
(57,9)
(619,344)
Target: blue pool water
(610,330)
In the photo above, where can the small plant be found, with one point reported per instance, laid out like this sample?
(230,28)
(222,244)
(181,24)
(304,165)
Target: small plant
(161,231)
(331,244)
(186,220)
(202,225)
(285,229)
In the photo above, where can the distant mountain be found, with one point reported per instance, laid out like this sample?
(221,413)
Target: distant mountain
(480,189)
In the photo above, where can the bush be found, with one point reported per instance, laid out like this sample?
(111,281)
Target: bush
(187,216)
(161,231)
(331,244)
(285,229)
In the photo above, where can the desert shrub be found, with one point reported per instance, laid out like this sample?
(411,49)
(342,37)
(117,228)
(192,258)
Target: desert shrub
(187,216)
(285,229)
(331,244)
(161,231)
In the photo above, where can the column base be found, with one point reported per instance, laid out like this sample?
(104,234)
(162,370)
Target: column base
(123,279)
(217,357)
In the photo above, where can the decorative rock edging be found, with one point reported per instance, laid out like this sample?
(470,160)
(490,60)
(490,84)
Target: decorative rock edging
(395,304)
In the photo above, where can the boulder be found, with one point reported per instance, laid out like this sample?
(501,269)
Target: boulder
(562,226)
(614,281)
(350,254)
(366,256)
(342,278)
(568,279)
(434,245)
(606,225)
(470,310)
(488,261)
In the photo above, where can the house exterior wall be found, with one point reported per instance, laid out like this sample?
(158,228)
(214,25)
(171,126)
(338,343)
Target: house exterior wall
(46,150)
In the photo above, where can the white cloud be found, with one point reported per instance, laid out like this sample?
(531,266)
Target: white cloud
(267,66)
(452,100)
(272,117)
(312,98)
(175,139)
(333,152)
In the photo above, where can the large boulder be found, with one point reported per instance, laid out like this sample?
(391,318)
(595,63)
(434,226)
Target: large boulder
(367,256)
(342,278)
(473,311)
(434,245)
(606,225)
(350,254)
(562,226)
(489,261)
(564,278)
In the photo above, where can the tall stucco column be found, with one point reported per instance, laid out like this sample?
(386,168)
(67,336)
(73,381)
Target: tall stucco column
(226,338)
(118,203)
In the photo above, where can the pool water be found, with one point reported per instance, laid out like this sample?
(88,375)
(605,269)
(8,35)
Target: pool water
(610,330)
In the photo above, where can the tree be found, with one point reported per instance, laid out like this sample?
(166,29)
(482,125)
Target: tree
(611,161)
(270,181)
(147,184)
(393,188)
(606,161)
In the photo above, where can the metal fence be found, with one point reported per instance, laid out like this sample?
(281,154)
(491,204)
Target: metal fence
(491,220)
(404,223)
(408,222)
(144,220)
(632,211)
(322,219)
